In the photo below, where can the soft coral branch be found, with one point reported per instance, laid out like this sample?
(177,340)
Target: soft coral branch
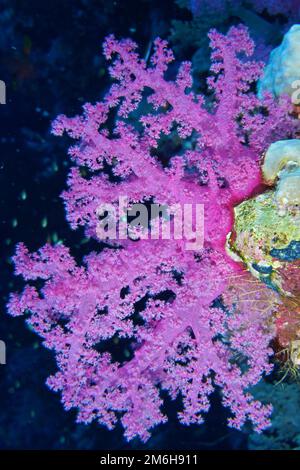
(159,302)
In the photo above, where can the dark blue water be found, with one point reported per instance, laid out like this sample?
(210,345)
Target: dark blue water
(51,63)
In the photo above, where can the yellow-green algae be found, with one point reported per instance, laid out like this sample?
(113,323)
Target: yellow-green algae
(259,228)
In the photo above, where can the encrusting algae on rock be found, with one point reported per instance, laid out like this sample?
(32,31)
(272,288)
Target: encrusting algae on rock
(259,233)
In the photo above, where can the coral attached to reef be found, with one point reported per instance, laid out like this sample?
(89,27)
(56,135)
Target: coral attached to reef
(144,317)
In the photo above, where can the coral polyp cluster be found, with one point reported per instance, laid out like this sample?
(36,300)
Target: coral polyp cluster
(161,303)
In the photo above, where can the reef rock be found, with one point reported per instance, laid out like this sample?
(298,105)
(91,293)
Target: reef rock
(266,231)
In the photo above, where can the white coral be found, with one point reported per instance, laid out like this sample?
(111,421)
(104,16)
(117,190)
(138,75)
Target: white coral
(279,156)
(282,74)
(282,163)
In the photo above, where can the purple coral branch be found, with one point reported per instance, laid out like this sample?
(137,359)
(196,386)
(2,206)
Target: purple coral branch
(153,294)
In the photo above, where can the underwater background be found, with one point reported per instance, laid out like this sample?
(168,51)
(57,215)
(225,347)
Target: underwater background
(52,63)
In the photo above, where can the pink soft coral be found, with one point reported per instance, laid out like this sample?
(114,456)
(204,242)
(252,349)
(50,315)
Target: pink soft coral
(157,301)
